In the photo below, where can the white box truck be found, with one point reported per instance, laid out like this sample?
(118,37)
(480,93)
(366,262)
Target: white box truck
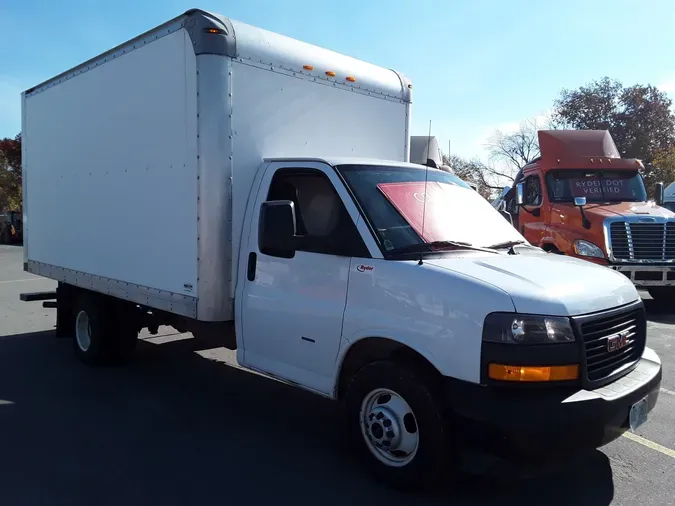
(223,179)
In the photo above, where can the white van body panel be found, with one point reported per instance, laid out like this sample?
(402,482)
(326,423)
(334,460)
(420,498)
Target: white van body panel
(436,313)
(276,116)
(155,144)
(111,173)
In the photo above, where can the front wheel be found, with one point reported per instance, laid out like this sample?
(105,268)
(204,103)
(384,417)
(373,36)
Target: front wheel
(398,426)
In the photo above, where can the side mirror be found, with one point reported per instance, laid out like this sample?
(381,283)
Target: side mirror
(276,229)
(580,202)
(659,194)
(520,194)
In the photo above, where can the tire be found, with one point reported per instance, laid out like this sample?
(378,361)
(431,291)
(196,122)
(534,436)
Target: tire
(100,336)
(663,294)
(374,413)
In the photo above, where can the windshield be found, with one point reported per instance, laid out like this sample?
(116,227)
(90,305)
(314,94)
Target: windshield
(596,185)
(393,200)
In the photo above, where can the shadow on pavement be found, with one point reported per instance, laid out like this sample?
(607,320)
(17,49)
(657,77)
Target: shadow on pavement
(175,428)
(660,311)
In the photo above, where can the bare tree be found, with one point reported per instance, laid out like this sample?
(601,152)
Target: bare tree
(511,151)
(473,171)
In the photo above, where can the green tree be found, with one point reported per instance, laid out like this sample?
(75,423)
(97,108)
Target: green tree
(664,166)
(638,117)
(10,174)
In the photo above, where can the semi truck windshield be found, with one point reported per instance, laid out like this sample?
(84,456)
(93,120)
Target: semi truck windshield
(409,206)
(596,186)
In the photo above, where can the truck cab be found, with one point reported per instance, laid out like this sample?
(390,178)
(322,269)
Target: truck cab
(581,199)
(669,197)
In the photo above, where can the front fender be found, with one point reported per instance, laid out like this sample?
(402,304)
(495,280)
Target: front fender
(437,313)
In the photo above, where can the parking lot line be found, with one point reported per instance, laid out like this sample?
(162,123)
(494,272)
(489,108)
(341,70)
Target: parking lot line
(666,391)
(650,444)
(21,280)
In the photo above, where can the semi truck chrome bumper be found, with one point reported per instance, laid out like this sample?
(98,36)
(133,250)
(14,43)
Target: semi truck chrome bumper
(647,275)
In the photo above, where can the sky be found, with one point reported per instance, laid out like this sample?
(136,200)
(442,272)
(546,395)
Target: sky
(476,65)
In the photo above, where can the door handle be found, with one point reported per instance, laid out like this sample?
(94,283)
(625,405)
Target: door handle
(252,263)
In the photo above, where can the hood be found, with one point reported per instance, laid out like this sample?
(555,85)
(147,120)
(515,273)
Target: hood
(549,284)
(596,213)
(627,209)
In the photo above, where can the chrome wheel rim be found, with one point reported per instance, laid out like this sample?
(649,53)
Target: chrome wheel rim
(83,331)
(389,427)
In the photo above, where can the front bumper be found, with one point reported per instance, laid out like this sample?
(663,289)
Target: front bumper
(647,275)
(553,420)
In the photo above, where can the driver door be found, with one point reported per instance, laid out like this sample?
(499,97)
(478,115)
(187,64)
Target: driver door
(292,308)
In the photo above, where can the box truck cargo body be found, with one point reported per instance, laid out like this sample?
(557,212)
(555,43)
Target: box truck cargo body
(139,162)
(229,181)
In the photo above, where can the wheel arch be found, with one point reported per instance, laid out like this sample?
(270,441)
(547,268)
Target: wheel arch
(371,349)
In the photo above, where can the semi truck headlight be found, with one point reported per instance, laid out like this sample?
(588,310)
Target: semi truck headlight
(512,328)
(587,249)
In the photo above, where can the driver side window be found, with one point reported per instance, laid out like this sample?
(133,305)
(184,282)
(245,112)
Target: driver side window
(323,224)
(532,191)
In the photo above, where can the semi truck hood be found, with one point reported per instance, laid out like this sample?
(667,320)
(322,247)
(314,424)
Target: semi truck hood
(546,283)
(602,211)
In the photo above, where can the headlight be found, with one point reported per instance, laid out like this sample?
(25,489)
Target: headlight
(587,249)
(513,328)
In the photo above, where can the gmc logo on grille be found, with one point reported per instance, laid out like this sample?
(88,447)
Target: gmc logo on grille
(618,341)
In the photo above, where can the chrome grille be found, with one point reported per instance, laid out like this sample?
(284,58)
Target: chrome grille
(653,242)
(604,361)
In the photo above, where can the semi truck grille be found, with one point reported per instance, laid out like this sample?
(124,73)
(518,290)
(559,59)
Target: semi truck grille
(613,342)
(643,241)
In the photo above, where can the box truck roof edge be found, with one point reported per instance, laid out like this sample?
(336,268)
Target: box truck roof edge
(212,33)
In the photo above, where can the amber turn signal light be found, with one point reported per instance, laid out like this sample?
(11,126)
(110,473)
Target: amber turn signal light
(501,372)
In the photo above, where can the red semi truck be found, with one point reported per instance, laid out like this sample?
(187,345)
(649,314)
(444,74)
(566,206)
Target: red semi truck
(580,198)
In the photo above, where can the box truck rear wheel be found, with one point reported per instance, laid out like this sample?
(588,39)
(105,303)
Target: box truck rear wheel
(397,425)
(101,335)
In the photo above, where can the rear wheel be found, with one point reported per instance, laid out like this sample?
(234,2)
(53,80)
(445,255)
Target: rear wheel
(665,294)
(397,425)
(101,335)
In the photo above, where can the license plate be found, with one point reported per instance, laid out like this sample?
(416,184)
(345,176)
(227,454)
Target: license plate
(638,414)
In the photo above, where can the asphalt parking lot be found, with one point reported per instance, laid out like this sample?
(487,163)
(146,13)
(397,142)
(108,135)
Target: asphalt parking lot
(180,426)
